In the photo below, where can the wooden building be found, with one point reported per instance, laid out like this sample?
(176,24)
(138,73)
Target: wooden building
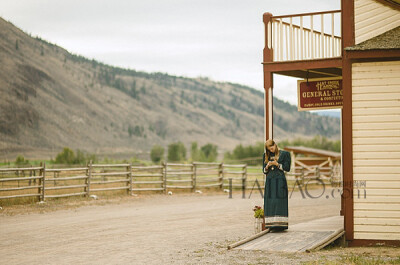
(309,164)
(317,163)
(365,53)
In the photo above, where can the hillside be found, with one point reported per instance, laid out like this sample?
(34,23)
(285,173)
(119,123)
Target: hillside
(50,98)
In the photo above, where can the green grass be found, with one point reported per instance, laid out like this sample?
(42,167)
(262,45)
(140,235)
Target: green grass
(354,260)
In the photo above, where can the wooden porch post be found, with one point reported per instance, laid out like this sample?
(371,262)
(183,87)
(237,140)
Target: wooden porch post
(347,141)
(268,79)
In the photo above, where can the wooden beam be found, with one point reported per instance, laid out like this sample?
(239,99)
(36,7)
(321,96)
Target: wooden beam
(300,74)
(308,14)
(275,67)
(319,73)
(373,242)
(348,40)
(328,71)
(268,78)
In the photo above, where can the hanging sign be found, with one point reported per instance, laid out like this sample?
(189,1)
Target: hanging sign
(320,93)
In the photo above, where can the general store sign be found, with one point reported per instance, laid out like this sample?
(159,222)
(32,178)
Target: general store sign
(320,93)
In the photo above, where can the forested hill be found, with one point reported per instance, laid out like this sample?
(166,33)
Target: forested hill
(51,98)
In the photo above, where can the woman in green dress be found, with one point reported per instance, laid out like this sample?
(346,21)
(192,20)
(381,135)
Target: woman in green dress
(275,162)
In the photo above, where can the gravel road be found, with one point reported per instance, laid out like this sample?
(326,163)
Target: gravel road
(189,228)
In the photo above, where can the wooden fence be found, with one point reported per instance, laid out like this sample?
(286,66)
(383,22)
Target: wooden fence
(44,183)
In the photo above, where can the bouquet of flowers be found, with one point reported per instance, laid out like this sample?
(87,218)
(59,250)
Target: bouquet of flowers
(258,211)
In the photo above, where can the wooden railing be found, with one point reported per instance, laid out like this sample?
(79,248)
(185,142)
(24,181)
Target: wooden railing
(44,183)
(305,36)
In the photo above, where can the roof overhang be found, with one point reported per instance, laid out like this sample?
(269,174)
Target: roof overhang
(318,68)
(313,151)
(372,54)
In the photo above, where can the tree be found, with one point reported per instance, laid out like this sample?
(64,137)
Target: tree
(20,160)
(182,150)
(210,152)
(242,152)
(139,130)
(194,152)
(176,151)
(133,92)
(157,153)
(207,153)
(173,152)
(319,142)
(161,127)
(172,105)
(130,130)
(67,156)
(143,89)
(79,157)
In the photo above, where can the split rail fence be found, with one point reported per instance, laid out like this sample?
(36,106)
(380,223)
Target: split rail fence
(44,183)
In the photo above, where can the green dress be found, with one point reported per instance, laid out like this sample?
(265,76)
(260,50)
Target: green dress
(276,193)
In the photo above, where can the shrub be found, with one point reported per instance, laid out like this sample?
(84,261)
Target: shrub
(207,153)
(194,152)
(157,153)
(242,152)
(176,151)
(318,142)
(20,160)
(250,151)
(67,156)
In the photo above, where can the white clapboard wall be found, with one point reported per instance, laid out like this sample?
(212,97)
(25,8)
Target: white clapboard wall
(376,149)
(372,18)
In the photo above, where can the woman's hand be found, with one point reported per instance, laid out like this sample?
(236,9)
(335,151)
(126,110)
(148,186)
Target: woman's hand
(272,163)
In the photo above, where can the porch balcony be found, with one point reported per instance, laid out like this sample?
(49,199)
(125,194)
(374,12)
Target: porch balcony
(307,45)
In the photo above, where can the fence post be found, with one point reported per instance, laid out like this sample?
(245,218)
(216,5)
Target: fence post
(317,172)
(194,176)
(44,180)
(162,177)
(165,176)
(40,181)
(244,176)
(88,179)
(34,174)
(54,176)
(130,179)
(30,175)
(221,174)
(302,176)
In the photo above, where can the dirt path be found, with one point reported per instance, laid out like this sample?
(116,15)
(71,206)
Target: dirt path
(153,229)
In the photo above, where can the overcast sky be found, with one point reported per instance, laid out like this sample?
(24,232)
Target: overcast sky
(222,40)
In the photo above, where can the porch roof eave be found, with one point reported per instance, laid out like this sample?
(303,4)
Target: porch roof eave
(317,68)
